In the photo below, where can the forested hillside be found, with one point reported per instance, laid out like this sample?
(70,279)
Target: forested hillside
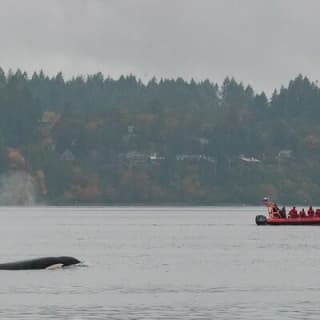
(96,140)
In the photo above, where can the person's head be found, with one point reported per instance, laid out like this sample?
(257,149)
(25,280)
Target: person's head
(310,207)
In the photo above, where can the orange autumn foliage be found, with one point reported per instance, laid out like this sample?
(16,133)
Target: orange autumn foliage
(15,158)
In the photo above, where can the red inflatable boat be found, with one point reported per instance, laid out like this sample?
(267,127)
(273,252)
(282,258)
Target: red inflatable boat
(277,217)
(275,221)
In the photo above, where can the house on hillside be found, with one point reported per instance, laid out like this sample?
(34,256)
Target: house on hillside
(195,157)
(134,158)
(249,159)
(67,155)
(155,157)
(284,154)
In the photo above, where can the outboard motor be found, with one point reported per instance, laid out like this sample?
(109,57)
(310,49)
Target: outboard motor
(261,220)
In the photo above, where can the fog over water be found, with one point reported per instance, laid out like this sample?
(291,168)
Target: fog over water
(156,263)
(262,43)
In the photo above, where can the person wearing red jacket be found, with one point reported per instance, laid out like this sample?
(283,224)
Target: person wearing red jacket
(310,212)
(293,213)
(302,213)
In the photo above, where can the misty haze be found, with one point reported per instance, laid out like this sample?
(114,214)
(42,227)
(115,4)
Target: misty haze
(138,143)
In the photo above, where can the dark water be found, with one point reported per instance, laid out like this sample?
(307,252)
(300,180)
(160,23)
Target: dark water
(151,263)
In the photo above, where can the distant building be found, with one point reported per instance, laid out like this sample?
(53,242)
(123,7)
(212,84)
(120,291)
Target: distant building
(135,157)
(249,159)
(67,155)
(211,159)
(154,157)
(285,154)
(195,157)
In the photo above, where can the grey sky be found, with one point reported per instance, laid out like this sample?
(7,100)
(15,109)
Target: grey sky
(264,43)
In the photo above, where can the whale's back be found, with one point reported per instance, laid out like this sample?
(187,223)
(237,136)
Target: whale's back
(39,263)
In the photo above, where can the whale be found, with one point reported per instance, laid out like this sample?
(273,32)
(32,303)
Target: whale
(40,263)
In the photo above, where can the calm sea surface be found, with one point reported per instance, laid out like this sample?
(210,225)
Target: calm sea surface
(159,263)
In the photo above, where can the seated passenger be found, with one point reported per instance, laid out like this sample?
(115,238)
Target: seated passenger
(318,213)
(283,212)
(275,211)
(302,213)
(293,213)
(310,212)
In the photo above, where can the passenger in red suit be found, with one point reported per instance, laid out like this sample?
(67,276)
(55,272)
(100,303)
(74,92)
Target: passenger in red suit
(293,213)
(310,212)
(302,213)
(318,213)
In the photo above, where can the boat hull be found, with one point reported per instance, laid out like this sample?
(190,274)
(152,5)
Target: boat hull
(289,221)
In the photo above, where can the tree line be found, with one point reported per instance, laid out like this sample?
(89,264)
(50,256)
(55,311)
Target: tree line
(98,140)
